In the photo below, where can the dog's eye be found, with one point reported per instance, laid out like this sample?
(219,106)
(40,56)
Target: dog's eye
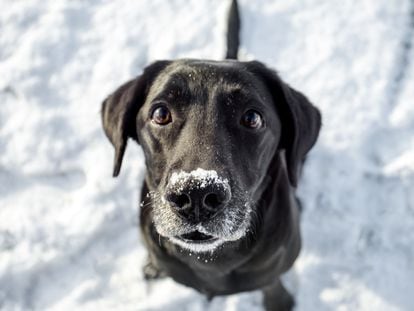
(161,115)
(252,119)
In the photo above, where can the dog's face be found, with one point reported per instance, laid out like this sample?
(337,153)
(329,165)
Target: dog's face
(209,131)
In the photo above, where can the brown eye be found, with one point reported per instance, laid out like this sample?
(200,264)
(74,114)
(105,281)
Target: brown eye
(161,115)
(252,119)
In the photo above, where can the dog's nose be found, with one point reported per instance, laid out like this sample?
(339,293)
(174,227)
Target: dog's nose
(200,203)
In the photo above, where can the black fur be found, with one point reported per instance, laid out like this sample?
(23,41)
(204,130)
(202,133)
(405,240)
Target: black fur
(233,31)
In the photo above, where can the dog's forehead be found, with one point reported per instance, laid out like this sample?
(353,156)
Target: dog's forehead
(189,77)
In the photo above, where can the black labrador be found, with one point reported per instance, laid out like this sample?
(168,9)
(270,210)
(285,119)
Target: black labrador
(224,142)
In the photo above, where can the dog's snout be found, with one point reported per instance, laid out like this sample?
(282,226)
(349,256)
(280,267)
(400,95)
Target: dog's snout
(211,201)
(179,201)
(216,199)
(197,204)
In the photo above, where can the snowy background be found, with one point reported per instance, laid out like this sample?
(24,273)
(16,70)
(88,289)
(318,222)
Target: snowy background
(68,231)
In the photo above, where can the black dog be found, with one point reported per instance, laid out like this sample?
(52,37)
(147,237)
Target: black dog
(224,143)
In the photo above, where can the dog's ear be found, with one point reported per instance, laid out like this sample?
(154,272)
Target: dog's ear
(301,121)
(119,110)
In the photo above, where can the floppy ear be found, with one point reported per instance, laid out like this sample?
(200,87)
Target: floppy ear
(119,110)
(301,121)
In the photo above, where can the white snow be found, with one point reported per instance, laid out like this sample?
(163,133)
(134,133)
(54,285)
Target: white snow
(69,232)
(199,178)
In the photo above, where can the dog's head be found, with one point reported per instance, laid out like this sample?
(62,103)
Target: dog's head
(210,131)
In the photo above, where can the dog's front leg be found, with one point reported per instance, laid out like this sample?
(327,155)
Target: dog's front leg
(277,298)
(152,271)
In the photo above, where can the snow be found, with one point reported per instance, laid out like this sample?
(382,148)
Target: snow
(69,232)
(199,178)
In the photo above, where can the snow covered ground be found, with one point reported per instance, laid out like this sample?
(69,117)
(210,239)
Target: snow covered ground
(68,231)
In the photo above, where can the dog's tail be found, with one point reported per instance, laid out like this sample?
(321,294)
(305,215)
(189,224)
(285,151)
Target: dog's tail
(233,30)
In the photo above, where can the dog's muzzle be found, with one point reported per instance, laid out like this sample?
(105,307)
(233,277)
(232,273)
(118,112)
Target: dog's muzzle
(200,211)
(197,196)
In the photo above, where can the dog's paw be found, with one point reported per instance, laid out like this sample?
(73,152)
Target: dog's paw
(285,304)
(152,272)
